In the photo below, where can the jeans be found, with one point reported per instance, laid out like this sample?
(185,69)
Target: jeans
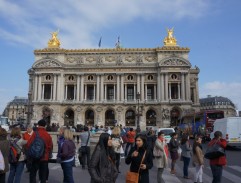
(199,173)
(159,175)
(42,166)
(186,162)
(117,158)
(68,172)
(16,171)
(217,171)
(85,156)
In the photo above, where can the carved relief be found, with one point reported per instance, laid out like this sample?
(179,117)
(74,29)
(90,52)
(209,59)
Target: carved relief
(90,59)
(150,58)
(110,58)
(129,58)
(99,60)
(119,109)
(48,63)
(139,59)
(119,60)
(174,62)
(99,109)
(165,113)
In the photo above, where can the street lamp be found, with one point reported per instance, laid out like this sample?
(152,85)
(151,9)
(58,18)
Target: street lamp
(138,129)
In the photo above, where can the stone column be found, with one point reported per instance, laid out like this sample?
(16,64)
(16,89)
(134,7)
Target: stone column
(118,87)
(82,87)
(74,92)
(142,87)
(85,88)
(183,88)
(42,94)
(39,87)
(94,92)
(55,85)
(122,87)
(101,88)
(159,86)
(78,87)
(166,86)
(35,87)
(170,91)
(114,92)
(134,92)
(66,90)
(155,92)
(105,87)
(187,87)
(98,88)
(162,88)
(179,91)
(138,83)
(125,97)
(145,92)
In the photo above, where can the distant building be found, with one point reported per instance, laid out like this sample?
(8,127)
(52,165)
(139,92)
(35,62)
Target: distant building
(15,110)
(152,86)
(218,103)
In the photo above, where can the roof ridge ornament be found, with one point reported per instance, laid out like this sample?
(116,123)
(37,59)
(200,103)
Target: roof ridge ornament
(170,40)
(54,41)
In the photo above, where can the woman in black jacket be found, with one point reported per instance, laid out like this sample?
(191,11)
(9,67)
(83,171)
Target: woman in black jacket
(135,157)
(102,167)
(173,147)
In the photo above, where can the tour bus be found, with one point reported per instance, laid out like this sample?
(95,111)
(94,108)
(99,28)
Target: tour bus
(4,122)
(200,123)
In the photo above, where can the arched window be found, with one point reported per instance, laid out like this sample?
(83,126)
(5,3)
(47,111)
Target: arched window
(130,118)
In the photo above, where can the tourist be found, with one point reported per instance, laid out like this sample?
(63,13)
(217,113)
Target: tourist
(173,147)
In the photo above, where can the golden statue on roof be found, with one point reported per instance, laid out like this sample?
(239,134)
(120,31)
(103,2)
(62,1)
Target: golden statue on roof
(170,40)
(54,41)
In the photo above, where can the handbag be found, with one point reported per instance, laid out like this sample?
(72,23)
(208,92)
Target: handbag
(133,177)
(82,149)
(214,151)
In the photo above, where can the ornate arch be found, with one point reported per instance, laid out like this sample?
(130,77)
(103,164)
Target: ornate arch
(175,62)
(46,63)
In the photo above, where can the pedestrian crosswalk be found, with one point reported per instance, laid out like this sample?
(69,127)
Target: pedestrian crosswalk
(231,174)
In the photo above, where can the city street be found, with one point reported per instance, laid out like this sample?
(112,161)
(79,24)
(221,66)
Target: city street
(231,173)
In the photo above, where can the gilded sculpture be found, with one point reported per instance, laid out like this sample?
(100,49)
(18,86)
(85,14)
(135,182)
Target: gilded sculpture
(170,40)
(54,41)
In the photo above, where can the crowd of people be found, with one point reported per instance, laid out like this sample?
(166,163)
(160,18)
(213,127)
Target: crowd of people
(142,151)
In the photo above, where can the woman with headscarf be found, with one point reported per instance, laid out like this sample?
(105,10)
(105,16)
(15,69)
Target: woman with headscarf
(102,167)
(135,158)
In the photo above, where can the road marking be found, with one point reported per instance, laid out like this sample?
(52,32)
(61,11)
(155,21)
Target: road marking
(55,167)
(230,176)
(236,168)
(168,177)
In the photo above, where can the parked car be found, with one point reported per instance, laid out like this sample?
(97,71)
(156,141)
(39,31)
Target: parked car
(168,132)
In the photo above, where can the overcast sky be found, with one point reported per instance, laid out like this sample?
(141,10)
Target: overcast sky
(211,29)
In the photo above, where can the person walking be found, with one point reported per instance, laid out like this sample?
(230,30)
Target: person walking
(161,160)
(186,154)
(16,168)
(117,145)
(131,140)
(26,136)
(60,142)
(4,147)
(67,154)
(102,164)
(173,147)
(85,147)
(198,160)
(135,158)
(42,163)
(218,163)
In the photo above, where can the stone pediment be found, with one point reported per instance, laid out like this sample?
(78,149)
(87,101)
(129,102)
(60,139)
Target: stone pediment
(175,62)
(47,63)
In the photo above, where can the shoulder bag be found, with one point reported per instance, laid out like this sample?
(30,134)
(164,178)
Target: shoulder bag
(133,177)
(214,151)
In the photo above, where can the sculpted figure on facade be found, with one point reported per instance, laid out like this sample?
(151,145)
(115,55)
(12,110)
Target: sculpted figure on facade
(54,41)
(165,113)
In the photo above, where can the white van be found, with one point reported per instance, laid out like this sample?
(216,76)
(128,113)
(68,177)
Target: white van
(167,132)
(230,128)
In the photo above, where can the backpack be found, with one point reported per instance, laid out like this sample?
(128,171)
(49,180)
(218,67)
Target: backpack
(36,149)
(14,154)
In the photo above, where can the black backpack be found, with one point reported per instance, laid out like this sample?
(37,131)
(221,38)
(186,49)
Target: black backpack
(37,148)
(14,152)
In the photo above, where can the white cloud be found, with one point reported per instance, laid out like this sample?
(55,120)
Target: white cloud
(28,21)
(217,88)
